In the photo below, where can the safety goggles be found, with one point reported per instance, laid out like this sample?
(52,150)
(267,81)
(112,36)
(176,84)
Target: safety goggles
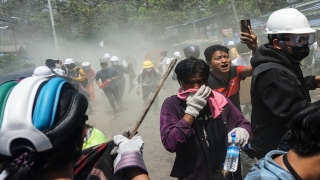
(301,39)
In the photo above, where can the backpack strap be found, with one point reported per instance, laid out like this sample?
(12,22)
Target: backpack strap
(267,66)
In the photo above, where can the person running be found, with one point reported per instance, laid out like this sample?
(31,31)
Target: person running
(91,74)
(115,64)
(148,79)
(131,65)
(197,124)
(79,78)
(41,134)
(109,85)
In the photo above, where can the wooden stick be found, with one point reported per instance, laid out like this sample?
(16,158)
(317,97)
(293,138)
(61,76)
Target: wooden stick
(153,97)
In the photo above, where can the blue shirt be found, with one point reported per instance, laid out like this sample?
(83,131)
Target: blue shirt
(105,74)
(122,70)
(267,169)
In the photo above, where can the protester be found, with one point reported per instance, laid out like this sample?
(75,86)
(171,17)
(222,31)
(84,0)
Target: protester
(302,160)
(148,79)
(79,78)
(315,48)
(191,50)
(278,88)
(131,65)
(78,75)
(225,78)
(244,60)
(115,64)
(164,61)
(197,123)
(92,137)
(106,57)
(90,74)
(233,50)
(111,90)
(169,86)
(244,56)
(50,63)
(41,136)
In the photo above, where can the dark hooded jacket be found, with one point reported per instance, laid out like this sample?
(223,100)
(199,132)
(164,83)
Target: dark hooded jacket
(276,95)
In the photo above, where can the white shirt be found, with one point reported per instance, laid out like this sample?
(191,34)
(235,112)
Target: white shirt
(59,71)
(165,64)
(316,51)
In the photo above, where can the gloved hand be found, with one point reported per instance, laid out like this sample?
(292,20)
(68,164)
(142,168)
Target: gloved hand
(129,152)
(242,136)
(196,102)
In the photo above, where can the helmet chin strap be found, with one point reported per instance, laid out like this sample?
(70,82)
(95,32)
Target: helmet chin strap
(287,53)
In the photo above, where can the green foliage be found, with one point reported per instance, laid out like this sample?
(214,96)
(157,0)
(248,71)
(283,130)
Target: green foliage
(9,63)
(82,20)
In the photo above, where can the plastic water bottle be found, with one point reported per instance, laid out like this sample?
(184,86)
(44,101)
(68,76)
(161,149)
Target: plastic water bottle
(232,156)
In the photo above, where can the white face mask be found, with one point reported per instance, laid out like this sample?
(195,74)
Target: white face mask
(148,70)
(115,63)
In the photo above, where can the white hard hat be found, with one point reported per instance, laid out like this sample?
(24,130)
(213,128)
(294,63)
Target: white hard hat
(288,21)
(68,61)
(230,43)
(106,56)
(177,54)
(114,58)
(42,71)
(85,64)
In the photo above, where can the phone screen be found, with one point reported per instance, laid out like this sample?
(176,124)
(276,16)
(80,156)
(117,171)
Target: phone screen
(244,25)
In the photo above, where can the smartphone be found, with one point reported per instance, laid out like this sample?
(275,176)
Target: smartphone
(57,61)
(244,25)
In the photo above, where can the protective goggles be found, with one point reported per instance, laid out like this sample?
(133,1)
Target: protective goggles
(301,39)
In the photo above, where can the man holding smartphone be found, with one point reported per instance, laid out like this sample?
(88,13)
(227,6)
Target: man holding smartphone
(278,88)
(225,78)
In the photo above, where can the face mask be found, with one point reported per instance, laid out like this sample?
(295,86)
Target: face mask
(299,53)
(70,66)
(148,70)
(115,63)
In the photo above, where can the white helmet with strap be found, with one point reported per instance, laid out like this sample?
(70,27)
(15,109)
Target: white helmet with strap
(68,61)
(85,64)
(288,21)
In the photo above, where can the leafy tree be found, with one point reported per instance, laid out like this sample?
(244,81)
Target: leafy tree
(9,63)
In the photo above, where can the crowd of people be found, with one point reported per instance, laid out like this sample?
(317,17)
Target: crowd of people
(44,134)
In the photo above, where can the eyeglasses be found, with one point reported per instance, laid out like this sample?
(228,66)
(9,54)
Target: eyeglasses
(301,40)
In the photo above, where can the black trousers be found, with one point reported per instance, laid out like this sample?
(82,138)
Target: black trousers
(146,92)
(113,96)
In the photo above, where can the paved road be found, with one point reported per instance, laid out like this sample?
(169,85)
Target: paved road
(158,161)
